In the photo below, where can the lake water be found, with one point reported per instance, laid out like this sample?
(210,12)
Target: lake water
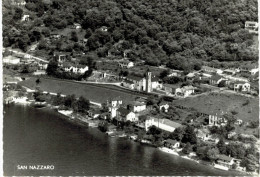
(41,137)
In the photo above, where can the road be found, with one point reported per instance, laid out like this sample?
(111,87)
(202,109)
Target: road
(22,53)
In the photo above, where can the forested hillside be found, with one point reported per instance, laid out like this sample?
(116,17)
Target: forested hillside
(178,33)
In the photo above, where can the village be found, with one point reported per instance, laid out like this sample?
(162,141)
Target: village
(152,112)
(208,114)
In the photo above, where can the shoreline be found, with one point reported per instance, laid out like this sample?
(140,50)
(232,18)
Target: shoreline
(74,119)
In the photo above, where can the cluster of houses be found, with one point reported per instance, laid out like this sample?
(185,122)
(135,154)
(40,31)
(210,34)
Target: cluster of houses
(17,59)
(228,77)
(252,27)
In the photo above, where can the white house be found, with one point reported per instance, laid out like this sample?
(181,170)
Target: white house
(138,106)
(254,71)
(76,26)
(185,91)
(164,105)
(251,26)
(155,83)
(242,86)
(172,144)
(11,60)
(25,18)
(216,120)
(129,84)
(126,64)
(123,114)
(164,124)
(225,162)
(77,69)
(113,106)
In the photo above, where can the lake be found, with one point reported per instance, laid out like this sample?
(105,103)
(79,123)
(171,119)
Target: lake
(43,137)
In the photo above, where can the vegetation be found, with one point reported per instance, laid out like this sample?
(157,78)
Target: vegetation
(179,34)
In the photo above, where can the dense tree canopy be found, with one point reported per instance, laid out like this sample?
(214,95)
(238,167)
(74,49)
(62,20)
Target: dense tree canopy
(177,33)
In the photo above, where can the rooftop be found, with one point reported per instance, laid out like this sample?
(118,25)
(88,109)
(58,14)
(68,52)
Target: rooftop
(171,86)
(136,78)
(224,157)
(123,111)
(171,141)
(216,77)
(167,122)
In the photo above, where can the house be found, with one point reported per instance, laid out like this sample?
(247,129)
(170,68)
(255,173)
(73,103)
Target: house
(147,83)
(137,82)
(111,127)
(39,72)
(103,28)
(155,83)
(113,105)
(105,115)
(208,69)
(215,79)
(62,56)
(185,91)
(55,36)
(129,84)
(254,71)
(42,66)
(241,86)
(137,106)
(123,114)
(94,113)
(172,144)
(126,64)
(11,60)
(229,71)
(76,26)
(25,18)
(251,26)
(163,106)
(75,68)
(216,120)
(164,124)
(170,89)
(225,161)
(231,134)
(176,73)
(18,2)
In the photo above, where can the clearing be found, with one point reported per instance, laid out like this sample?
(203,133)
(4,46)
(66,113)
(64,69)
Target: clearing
(93,92)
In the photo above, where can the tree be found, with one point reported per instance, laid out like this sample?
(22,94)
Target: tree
(187,148)
(52,68)
(222,146)
(18,13)
(164,73)
(250,162)
(37,81)
(189,135)
(212,154)
(154,130)
(74,36)
(177,134)
(81,105)
(69,100)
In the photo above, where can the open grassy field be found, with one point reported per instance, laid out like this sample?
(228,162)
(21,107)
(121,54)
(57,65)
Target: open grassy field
(241,107)
(96,93)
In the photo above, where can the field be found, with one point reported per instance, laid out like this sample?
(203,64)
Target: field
(240,106)
(96,93)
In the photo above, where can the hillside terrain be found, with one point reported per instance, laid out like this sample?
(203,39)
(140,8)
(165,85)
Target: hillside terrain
(178,33)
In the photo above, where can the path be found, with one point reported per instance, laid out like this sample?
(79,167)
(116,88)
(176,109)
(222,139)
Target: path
(33,57)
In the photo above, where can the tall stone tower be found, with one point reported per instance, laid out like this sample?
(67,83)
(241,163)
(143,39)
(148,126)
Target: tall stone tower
(148,82)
